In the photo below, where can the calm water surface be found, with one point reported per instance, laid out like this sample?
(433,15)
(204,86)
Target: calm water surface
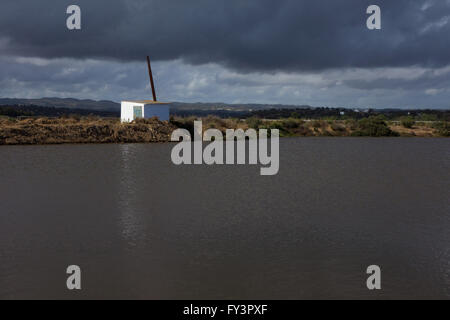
(140,227)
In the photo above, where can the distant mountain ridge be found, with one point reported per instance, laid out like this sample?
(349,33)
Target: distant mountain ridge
(220,107)
(68,103)
(105,105)
(58,107)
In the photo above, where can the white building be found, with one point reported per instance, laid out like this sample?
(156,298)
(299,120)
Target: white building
(132,110)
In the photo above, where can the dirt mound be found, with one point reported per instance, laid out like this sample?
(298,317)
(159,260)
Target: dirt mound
(83,130)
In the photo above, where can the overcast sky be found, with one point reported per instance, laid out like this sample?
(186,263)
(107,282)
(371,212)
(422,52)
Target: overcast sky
(316,52)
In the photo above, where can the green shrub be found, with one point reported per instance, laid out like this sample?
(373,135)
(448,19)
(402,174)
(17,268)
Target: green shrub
(408,122)
(373,127)
(443,128)
(295,115)
(317,124)
(351,124)
(212,121)
(337,127)
(427,117)
(276,125)
(184,123)
(290,124)
(269,125)
(254,122)
(380,117)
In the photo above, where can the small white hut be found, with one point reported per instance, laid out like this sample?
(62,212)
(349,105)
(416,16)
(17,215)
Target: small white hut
(132,110)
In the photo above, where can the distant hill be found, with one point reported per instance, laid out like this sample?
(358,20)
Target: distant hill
(38,111)
(104,105)
(68,103)
(220,106)
(59,106)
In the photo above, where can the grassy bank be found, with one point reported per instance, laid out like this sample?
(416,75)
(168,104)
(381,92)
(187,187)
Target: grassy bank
(368,127)
(109,130)
(81,130)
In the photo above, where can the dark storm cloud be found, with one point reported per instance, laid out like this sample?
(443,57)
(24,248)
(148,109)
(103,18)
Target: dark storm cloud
(436,79)
(262,35)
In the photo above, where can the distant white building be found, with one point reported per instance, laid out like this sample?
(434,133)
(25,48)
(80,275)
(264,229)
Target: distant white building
(132,110)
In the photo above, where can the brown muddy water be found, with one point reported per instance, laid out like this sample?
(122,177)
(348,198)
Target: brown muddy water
(141,227)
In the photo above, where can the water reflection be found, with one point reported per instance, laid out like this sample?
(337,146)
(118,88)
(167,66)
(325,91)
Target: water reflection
(130,222)
(160,231)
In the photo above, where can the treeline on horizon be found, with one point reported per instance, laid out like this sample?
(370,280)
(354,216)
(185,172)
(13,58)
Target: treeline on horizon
(323,113)
(343,114)
(15,111)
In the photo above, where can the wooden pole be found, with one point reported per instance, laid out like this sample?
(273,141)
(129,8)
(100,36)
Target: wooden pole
(151,78)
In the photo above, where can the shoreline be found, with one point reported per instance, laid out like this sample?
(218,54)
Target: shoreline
(95,130)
